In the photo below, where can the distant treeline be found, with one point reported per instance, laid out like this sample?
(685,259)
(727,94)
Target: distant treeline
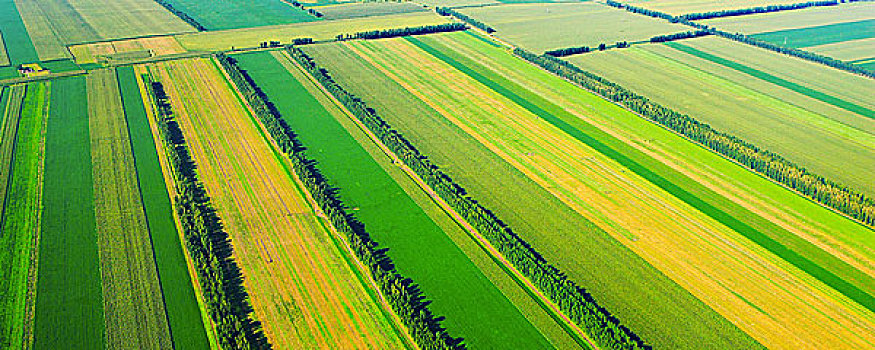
(311,11)
(771,165)
(446,11)
(182,15)
(807,55)
(568,51)
(759,9)
(678,36)
(396,32)
(402,293)
(573,301)
(206,242)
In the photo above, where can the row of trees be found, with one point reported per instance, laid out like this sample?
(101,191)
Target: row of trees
(396,32)
(402,294)
(679,36)
(574,301)
(446,11)
(771,165)
(204,238)
(182,15)
(301,6)
(758,9)
(807,55)
(568,51)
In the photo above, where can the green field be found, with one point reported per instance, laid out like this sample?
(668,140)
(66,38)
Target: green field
(18,45)
(183,314)
(680,7)
(539,27)
(69,303)
(796,19)
(230,14)
(474,307)
(21,212)
(367,9)
(820,35)
(4,56)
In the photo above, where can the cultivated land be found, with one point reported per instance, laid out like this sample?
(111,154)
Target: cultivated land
(4,57)
(367,9)
(323,30)
(300,281)
(644,186)
(854,51)
(183,314)
(18,44)
(106,51)
(20,212)
(816,134)
(546,26)
(230,14)
(69,302)
(680,7)
(420,239)
(783,20)
(456,3)
(133,303)
(820,35)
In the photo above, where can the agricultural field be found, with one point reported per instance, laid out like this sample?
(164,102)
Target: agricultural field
(681,7)
(322,30)
(19,47)
(796,19)
(303,288)
(113,50)
(4,57)
(545,26)
(460,280)
(818,125)
(367,9)
(632,183)
(230,14)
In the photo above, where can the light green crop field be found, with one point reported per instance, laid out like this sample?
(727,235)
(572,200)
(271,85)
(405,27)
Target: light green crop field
(829,140)
(4,57)
(229,14)
(546,26)
(368,9)
(851,51)
(680,7)
(456,3)
(783,20)
(321,30)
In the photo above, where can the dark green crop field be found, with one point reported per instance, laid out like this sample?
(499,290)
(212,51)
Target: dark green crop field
(231,14)
(18,45)
(820,35)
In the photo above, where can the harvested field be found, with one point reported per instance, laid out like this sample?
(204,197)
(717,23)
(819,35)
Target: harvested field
(230,14)
(546,26)
(19,47)
(153,46)
(820,136)
(368,9)
(323,30)
(183,313)
(300,282)
(473,305)
(457,3)
(570,172)
(796,19)
(20,212)
(69,302)
(851,51)
(680,7)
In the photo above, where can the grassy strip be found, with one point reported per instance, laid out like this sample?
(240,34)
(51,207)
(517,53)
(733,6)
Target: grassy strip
(11,102)
(69,301)
(473,306)
(18,45)
(675,183)
(186,327)
(820,35)
(21,217)
(835,101)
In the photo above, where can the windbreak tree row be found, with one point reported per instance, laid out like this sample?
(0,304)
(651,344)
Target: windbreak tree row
(446,11)
(678,36)
(758,9)
(402,293)
(574,301)
(204,237)
(396,32)
(769,164)
(182,15)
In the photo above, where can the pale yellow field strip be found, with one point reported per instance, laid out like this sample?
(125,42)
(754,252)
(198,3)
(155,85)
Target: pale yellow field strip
(302,290)
(158,46)
(783,20)
(679,7)
(133,302)
(762,296)
(851,50)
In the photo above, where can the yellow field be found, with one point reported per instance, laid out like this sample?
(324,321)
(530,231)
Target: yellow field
(775,303)
(319,30)
(133,303)
(783,20)
(680,7)
(158,46)
(847,50)
(300,283)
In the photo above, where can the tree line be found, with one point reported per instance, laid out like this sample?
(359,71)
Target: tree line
(758,9)
(568,51)
(573,301)
(182,15)
(204,237)
(402,293)
(806,55)
(767,163)
(446,11)
(396,32)
(678,36)
(301,6)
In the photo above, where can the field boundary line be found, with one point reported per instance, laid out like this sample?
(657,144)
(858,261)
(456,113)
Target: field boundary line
(551,308)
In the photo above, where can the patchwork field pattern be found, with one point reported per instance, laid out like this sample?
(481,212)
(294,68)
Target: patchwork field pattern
(546,26)
(104,51)
(19,47)
(564,153)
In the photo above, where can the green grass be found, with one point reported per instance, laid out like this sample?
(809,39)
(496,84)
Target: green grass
(789,247)
(69,304)
(835,101)
(474,308)
(21,217)
(183,313)
(230,14)
(18,44)
(60,66)
(820,35)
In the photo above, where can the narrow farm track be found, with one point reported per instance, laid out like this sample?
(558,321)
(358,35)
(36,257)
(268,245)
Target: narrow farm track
(300,286)
(133,301)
